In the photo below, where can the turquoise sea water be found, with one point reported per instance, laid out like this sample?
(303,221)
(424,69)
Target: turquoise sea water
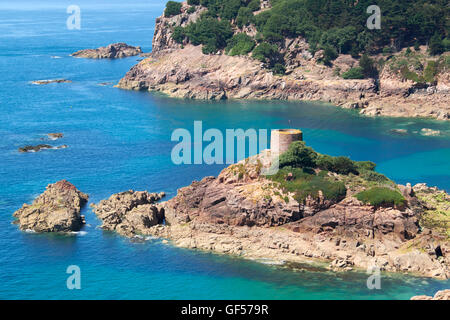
(120,140)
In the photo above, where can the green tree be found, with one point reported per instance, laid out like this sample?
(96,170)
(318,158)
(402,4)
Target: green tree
(172,8)
(244,17)
(240,44)
(267,53)
(435,46)
(178,34)
(368,67)
(210,32)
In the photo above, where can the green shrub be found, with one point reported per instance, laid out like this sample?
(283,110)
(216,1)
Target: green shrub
(329,55)
(191,10)
(279,69)
(430,71)
(298,156)
(354,73)
(172,8)
(193,2)
(240,44)
(387,51)
(417,46)
(381,197)
(344,165)
(410,75)
(178,34)
(305,184)
(325,162)
(368,67)
(373,176)
(365,165)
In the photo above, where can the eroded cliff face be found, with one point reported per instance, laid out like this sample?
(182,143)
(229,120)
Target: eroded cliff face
(183,71)
(162,39)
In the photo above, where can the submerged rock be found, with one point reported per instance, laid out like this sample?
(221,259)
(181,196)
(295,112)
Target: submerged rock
(41,82)
(131,212)
(40,147)
(112,51)
(430,132)
(55,210)
(55,136)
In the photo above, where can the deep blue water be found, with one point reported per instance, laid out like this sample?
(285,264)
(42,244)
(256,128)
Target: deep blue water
(120,140)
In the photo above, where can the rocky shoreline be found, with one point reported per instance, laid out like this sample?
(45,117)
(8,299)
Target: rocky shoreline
(244,214)
(183,71)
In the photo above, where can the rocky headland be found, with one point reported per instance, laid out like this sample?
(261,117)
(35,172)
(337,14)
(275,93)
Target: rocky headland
(182,70)
(55,210)
(298,216)
(112,51)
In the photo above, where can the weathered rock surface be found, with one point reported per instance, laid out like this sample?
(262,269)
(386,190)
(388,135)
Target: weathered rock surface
(440,295)
(130,212)
(187,73)
(56,210)
(112,51)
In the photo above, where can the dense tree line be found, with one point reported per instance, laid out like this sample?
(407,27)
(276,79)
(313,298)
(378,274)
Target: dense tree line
(335,26)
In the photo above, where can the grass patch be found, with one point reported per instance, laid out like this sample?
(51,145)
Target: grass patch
(304,184)
(382,197)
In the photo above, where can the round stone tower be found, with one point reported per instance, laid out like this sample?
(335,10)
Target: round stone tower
(281,139)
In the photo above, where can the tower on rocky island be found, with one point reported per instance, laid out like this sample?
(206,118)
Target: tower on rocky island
(281,139)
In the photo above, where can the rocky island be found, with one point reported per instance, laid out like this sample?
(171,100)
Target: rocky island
(202,52)
(55,210)
(316,208)
(112,51)
(131,212)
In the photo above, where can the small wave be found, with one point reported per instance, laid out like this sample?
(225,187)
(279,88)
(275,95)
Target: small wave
(55,57)
(30,231)
(79,233)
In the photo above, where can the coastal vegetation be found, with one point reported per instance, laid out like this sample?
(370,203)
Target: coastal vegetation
(306,173)
(381,197)
(334,26)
